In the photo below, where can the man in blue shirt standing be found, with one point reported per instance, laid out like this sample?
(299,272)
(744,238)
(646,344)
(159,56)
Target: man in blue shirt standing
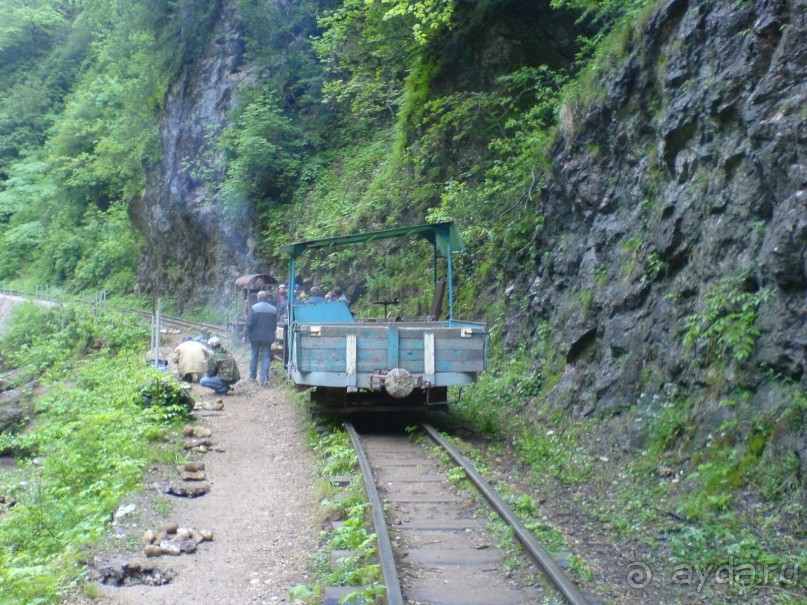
(260,331)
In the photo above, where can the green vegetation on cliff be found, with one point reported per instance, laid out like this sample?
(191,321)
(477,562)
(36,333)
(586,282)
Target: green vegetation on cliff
(82,88)
(439,125)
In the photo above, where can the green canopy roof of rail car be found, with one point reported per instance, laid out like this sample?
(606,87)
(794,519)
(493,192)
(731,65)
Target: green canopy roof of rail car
(445,235)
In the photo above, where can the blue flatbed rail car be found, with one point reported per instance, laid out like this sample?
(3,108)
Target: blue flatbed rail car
(399,362)
(359,355)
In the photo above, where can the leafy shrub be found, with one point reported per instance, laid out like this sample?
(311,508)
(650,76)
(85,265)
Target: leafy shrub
(669,422)
(726,327)
(17,245)
(335,448)
(555,452)
(514,382)
(89,446)
(167,400)
(111,254)
(46,338)
(264,152)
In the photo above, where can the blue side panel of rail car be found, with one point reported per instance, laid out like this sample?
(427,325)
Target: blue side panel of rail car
(359,356)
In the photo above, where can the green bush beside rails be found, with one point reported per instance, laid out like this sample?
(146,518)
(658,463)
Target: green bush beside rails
(91,441)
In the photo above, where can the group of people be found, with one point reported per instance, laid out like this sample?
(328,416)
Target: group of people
(316,296)
(207,362)
(204,358)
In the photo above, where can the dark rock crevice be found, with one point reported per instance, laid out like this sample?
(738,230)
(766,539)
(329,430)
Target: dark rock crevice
(194,244)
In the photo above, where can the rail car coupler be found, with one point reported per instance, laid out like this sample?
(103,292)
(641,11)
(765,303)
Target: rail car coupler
(399,383)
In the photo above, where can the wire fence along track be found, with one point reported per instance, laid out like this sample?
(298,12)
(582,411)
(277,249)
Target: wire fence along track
(544,560)
(22,297)
(50,296)
(386,557)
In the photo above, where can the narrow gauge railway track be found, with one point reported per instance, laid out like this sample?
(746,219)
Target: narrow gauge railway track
(178,322)
(435,551)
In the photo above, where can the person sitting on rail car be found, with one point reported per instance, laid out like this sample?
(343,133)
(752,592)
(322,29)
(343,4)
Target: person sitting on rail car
(191,359)
(204,336)
(315,295)
(260,331)
(336,294)
(222,369)
(283,307)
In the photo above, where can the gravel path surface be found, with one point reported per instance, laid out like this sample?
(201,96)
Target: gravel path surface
(262,508)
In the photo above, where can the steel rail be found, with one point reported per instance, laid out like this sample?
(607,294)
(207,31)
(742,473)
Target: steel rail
(536,551)
(177,321)
(187,323)
(388,569)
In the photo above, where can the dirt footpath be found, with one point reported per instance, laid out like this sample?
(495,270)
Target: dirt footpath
(261,508)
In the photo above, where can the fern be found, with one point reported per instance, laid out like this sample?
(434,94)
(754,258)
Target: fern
(726,327)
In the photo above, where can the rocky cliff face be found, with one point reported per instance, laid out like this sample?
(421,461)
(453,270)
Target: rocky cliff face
(679,201)
(194,243)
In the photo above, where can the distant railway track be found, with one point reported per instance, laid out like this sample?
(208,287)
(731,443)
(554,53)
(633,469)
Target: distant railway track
(438,553)
(181,323)
(44,298)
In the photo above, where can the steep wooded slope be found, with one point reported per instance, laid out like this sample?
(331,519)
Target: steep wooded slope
(670,258)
